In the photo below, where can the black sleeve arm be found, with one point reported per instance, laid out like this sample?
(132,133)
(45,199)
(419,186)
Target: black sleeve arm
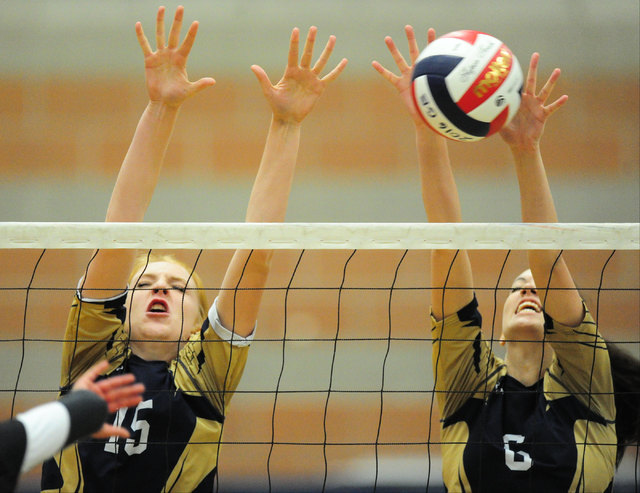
(38,433)
(13,440)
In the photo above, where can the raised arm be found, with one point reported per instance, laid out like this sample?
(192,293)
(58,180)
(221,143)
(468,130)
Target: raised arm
(561,301)
(291,99)
(439,191)
(168,87)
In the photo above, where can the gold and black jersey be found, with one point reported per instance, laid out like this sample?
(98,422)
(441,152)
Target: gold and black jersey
(500,436)
(176,429)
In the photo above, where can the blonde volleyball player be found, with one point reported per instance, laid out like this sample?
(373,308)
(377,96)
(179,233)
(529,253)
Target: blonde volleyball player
(147,317)
(542,419)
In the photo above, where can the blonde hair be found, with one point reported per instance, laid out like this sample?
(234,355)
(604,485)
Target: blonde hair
(143,260)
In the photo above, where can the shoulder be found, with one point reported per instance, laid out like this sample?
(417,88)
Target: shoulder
(586,325)
(468,315)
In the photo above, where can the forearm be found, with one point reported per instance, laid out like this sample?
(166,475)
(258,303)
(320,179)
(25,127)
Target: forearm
(131,196)
(271,188)
(270,193)
(268,203)
(449,268)
(291,99)
(562,302)
(141,167)
(536,200)
(439,191)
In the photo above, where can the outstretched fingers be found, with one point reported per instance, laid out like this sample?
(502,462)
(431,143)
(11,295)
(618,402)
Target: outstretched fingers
(549,85)
(414,51)
(125,397)
(307,51)
(143,41)
(553,107)
(160,29)
(294,41)
(263,78)
(325,55)
(532,75)
(306,58)
(336,71)
(189,39)
(108,430)
(174,34)
(202,84)
(398,58)
(401,63)
(321,63)
(92,373)
(431,35)
(176,26)
(385,72)
(547,89)
(120,391)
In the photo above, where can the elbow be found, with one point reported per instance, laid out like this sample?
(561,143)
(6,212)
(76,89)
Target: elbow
(260,261)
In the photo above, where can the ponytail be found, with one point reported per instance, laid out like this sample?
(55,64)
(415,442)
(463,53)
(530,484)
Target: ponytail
(625,371)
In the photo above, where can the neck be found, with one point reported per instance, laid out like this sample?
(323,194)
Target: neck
(527,361)
(155,351)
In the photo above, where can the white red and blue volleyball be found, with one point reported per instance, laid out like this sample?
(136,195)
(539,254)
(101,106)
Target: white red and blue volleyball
(467,85)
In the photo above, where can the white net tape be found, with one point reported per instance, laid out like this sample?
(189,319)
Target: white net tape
(485,236)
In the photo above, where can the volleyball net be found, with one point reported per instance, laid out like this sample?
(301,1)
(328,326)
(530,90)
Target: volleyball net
(338,392)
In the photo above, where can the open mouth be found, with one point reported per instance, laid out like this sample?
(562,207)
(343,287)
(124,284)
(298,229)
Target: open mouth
(528,306)
(158,306)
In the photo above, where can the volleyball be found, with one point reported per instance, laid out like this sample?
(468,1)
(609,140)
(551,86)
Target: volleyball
(467,85)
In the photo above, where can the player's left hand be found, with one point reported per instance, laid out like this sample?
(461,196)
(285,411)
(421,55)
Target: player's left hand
(165,68)
(526,128)
(293,97)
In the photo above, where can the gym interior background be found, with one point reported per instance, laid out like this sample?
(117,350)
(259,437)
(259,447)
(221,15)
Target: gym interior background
(72,90)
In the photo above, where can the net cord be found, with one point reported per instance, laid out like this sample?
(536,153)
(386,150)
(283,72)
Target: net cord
(327,236)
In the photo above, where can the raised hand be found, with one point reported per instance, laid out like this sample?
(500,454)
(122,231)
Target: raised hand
(525,129)
(165,68)
(295,94)
(402,82)
(118,392)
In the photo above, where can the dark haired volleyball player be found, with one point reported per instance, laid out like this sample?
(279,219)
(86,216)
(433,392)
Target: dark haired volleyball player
(542,419)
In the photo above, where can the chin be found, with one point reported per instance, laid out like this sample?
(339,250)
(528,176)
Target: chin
(524,332)
(156,332)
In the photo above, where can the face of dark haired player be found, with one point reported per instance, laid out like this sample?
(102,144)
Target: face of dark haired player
(522,317)
(161,310)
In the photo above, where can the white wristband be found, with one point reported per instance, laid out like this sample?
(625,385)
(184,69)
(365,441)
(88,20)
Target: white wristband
(47,428)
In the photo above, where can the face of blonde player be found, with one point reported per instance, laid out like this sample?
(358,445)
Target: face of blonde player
(161,309)
(522,317)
